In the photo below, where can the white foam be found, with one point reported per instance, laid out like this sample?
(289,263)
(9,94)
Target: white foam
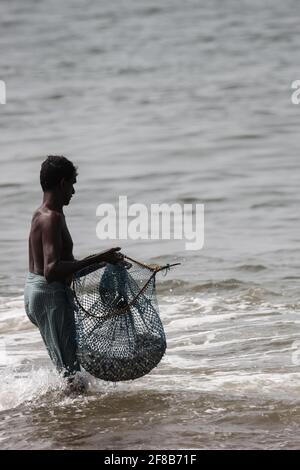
(17,387)
(212,346)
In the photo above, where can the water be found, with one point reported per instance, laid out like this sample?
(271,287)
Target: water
(163,102)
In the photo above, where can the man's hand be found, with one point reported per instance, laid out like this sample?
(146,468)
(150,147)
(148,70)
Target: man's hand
(111,256)
(65,268)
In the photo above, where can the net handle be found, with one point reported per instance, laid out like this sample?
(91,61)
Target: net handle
(155,269)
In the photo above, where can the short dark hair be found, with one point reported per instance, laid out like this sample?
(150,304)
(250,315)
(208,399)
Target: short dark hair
(54,169)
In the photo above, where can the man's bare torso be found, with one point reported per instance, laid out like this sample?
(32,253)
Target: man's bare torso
(38,235)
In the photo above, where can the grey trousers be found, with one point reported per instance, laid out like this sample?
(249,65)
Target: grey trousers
(50,307)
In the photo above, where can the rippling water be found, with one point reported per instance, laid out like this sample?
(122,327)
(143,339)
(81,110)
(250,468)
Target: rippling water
(163,102)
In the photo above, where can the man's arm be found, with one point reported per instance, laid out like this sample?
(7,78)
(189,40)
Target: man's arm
(54,268)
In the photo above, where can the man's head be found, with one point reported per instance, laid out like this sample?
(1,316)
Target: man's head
(58,174)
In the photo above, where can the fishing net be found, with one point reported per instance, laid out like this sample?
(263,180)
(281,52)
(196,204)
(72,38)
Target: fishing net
(119,332)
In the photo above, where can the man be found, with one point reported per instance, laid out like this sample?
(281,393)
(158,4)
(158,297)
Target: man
(48,297)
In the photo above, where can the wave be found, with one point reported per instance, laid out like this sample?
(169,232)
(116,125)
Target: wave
(253,268)
(177,286)
(195,200)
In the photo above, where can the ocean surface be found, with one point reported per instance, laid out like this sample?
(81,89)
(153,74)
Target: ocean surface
(164,102)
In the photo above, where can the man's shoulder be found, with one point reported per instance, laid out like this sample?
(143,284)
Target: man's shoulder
(47,218)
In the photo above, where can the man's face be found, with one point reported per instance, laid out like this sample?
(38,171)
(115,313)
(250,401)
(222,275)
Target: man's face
(68,190)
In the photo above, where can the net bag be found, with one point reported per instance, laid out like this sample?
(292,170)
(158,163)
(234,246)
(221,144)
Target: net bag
(119,332)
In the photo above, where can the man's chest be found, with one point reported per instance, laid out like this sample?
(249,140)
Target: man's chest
(67,242)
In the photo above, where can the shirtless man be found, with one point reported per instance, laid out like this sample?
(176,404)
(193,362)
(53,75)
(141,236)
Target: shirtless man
(48,297)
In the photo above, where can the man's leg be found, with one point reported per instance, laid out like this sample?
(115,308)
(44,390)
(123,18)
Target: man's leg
(61,334)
